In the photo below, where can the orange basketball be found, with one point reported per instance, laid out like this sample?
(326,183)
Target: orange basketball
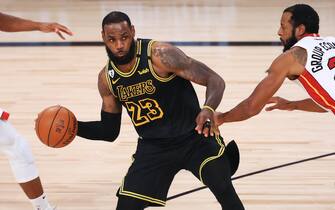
(56,126)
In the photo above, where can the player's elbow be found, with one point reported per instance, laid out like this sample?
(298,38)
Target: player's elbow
(111,135)
(218,83)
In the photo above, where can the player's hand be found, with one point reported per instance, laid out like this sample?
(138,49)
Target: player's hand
(279,103)
(55,27)
(205,123)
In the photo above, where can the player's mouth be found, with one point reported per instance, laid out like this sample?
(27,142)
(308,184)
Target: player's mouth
(282,41)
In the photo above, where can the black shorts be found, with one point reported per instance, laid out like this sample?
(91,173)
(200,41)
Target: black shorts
(157,161)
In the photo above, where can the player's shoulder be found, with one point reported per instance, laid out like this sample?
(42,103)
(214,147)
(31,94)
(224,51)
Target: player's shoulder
(286,60)
(159,45)
(159,48)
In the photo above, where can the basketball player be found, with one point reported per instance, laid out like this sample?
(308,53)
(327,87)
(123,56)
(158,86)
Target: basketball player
(11,142)
(152,81)
(307,59)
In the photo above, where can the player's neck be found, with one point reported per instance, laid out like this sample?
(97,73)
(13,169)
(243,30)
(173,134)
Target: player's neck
(128,66)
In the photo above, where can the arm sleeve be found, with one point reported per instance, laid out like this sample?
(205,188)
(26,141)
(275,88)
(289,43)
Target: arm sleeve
(107,129)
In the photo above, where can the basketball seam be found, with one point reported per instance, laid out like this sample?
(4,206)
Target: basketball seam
(67,127)
(60,107)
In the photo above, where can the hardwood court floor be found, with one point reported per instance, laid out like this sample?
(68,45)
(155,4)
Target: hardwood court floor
(86,174)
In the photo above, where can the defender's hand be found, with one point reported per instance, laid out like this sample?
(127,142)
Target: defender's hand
(205,123)
(55,27)
(217,118)
(279,103)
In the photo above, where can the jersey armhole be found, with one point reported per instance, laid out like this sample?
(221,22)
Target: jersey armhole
(108,80)
(151,67)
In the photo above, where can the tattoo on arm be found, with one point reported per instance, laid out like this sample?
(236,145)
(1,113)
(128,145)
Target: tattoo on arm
(300,55)
(172,57)
(178,62)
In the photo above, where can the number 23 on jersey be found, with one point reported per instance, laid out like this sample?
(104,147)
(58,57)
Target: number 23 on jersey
(145,111)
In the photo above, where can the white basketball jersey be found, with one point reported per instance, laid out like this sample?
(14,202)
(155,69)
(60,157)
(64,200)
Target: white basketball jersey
(318,77)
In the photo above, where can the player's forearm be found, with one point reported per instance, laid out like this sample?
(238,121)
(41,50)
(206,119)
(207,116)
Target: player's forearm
(306,105)
(214,91)
(107,129)
(10,23)
(242,111)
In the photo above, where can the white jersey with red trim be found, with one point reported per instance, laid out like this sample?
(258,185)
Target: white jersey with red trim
(318,77)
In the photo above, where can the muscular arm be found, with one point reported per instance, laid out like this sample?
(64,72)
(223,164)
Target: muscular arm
(281,67)
(108,127)
(10,23)
(308,104)
(168,59)
(109,102)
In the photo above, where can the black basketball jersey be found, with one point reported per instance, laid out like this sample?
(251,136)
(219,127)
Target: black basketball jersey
(158,107)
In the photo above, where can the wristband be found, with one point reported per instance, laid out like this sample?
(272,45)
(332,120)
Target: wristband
(209,108)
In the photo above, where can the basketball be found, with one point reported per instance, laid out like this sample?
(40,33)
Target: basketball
(56,126)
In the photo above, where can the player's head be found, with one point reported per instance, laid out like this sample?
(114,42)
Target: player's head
(118,35)
(296,21)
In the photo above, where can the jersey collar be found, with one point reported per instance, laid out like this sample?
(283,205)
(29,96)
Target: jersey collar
(312,35)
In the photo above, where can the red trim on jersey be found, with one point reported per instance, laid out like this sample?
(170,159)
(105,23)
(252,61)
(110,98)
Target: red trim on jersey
(313,35)
(4,116)
(316,91)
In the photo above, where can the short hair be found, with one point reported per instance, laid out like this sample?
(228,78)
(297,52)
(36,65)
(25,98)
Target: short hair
(306,15)
(115,17)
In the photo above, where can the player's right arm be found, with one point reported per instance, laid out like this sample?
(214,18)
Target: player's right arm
(10,23)
(251,106)
(304,105)
(108,128)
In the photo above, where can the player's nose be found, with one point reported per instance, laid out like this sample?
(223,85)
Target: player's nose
(280,32)
(119,45)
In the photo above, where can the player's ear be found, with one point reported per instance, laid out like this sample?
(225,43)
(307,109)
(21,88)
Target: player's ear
(132,28)
(300,31)
(102,35)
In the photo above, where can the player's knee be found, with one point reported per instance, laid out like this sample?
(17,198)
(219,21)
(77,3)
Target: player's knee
(21,159)
(7,135)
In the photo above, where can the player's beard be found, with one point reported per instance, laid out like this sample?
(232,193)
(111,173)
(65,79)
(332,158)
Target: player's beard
(290,42)
(124,59)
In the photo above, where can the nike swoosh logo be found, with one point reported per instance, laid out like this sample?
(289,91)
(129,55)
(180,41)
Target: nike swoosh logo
(114,81)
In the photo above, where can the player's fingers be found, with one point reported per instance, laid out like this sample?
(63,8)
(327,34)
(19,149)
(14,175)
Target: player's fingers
(206,128)
(270,108)
(214,130)
(205,131)
(199,128)
(65,29)
(60,35)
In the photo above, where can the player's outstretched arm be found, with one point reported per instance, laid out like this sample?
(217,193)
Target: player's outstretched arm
(108,128)
(283,104)
(10,23)
(169,59)
(252,105)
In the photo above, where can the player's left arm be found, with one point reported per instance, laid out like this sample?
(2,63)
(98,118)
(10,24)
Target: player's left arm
(169,59)
(307,105)
(10,23)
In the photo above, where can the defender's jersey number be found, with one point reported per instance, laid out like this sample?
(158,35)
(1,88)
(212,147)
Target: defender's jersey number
(331,63)
(146,110)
